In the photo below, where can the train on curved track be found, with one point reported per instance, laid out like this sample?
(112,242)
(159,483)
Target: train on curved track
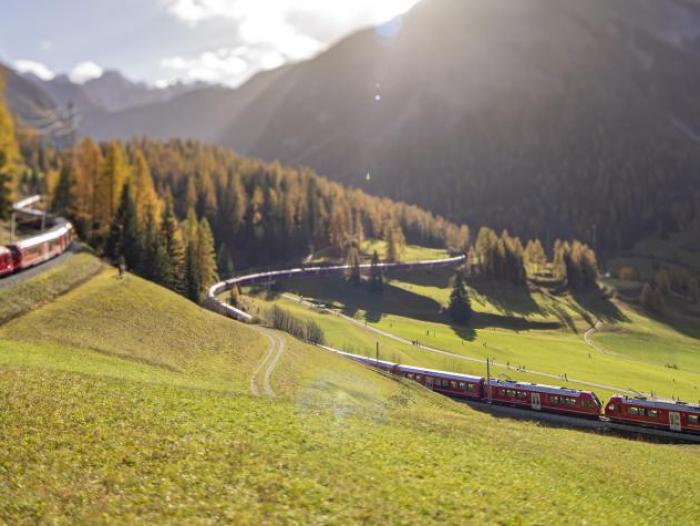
(639,411)
(32,251)
(632,411)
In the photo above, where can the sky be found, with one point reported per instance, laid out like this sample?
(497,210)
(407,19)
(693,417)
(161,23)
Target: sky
(162,41)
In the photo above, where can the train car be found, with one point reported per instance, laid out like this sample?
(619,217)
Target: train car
(39,249)
(660,414)
(544,398)
(450,384)
(6,261)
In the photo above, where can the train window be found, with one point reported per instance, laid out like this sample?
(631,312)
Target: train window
(409,375)
(462,386)
(570,401)
(453,384)
(611,407)
(521,395)
(634,411)
(653,413)
(502,392)
(554,399)
(471,387)
(445,383)
(693,419)
(418,377)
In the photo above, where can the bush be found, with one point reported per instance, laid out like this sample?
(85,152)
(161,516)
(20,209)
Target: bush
(308,331)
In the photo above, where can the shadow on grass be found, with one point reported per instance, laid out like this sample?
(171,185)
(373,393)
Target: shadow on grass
(511,300)
(599,305)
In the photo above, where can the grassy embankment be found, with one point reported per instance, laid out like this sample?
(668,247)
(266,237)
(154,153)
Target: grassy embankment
(124,403)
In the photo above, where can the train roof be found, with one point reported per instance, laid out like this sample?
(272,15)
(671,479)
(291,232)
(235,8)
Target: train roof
(49,235)
(540,388)
(669,405)
(443,374)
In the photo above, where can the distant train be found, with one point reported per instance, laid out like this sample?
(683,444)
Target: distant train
(637,411)
(307,272)
(38,249)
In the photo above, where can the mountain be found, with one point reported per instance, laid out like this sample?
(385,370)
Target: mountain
(547,117)
(33,107)
(111,92)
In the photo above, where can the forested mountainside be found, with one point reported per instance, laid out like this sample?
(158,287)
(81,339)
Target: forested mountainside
(548,117)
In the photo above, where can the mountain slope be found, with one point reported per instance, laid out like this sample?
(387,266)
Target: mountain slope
(470,106)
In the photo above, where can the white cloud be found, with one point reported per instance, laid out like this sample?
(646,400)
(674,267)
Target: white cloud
(85,71)
(37,68)
(270,32)
(225,66)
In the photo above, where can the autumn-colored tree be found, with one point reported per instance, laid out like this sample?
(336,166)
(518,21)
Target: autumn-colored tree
(459,308)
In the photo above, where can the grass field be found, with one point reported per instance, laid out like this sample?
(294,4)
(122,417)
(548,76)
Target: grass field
(513,326)
(27,295)
(126,404)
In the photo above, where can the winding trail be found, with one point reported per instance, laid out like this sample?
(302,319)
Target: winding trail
(449,354)
(275,349)
(587,336)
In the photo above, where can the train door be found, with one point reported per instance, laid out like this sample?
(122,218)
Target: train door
(674,420)
(429,382)
(535,401)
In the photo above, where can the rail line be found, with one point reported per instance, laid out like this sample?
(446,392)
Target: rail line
(213,303)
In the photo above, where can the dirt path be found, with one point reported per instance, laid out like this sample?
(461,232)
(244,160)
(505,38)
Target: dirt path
(451,354)
(587,336)
(275,350)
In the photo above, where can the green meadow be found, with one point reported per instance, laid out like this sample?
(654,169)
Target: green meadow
(124,403)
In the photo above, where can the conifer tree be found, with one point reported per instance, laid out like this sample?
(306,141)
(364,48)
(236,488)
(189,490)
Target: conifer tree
(62,201)
(5,192)
(171,240)
(114,175)
(145,195)
(124,238)
(153,262)
(206,257)
(191,280)
(376,281)
(224,262)
(459,309)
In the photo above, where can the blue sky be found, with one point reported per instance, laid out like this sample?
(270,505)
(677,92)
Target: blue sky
(160,41)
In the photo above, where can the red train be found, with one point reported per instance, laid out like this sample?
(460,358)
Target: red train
(659,414)
(37,249)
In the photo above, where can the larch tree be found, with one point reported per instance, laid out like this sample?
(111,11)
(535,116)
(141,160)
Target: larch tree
(353,263)
(206,257)
(144,191)
(115,173)
(174,252)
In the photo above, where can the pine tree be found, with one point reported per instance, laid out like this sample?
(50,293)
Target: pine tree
(376,281)
(459,309)
(125,238)
(191,279)
(153,262)
(224,262)
(171,240)
(206,257)
(5,190)
(62,201)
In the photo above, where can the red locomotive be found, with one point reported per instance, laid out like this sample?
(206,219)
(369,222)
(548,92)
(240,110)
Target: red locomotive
(674,416)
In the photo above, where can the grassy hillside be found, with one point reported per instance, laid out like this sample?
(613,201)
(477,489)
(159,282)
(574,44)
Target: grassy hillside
(130,405)
(514,326)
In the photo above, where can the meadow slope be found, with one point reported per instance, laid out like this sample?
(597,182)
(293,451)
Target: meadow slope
(126,404)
